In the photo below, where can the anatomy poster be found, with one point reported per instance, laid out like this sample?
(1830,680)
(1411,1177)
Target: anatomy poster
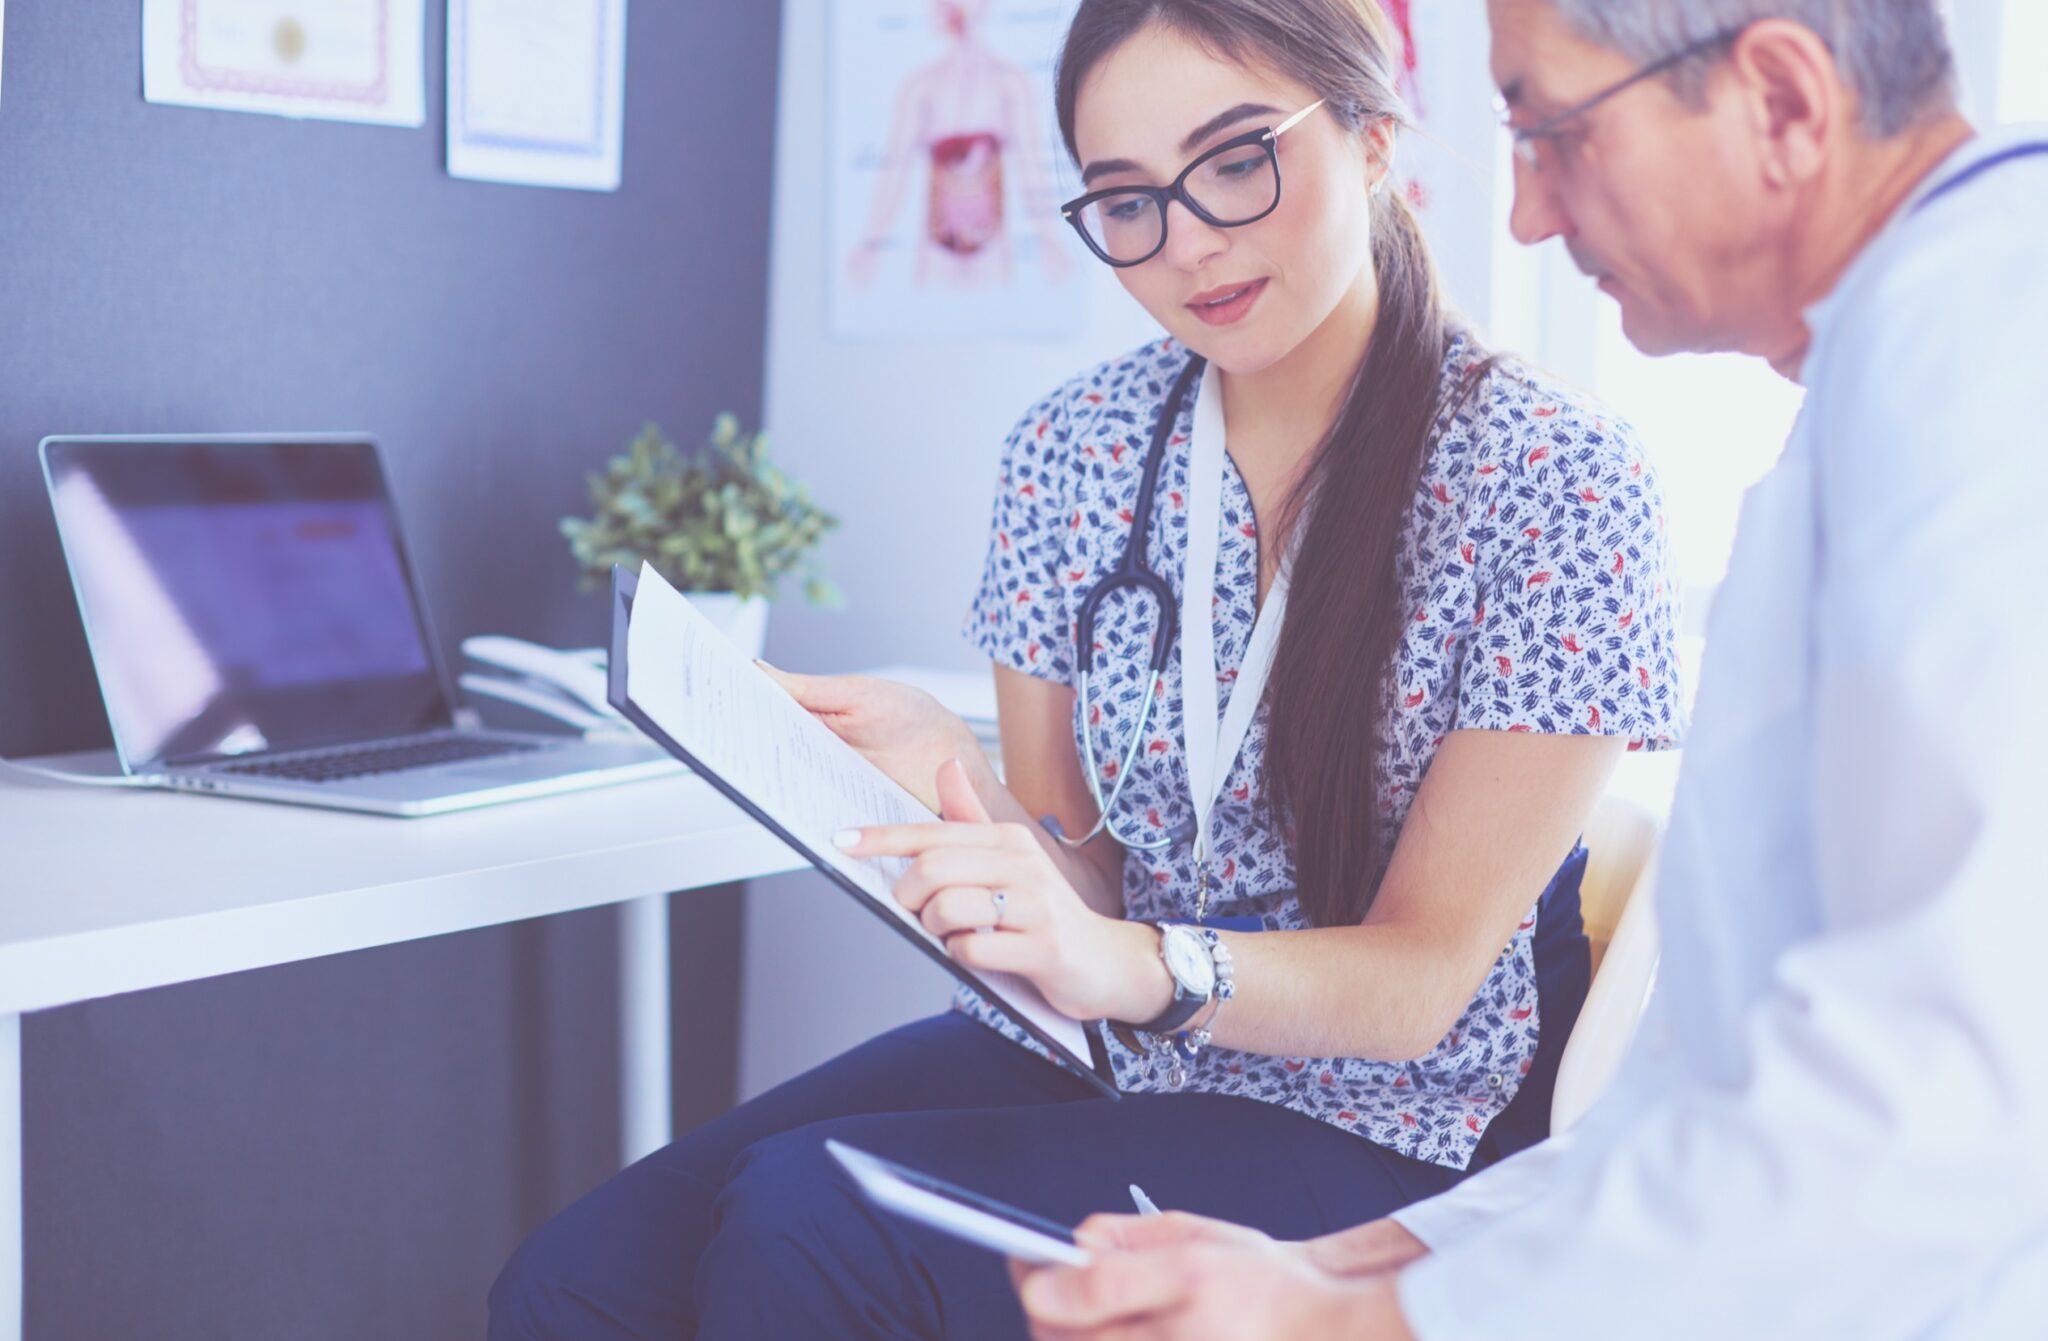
(945,192)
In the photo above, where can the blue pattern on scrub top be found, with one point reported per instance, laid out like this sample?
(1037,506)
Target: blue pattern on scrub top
(1534,557)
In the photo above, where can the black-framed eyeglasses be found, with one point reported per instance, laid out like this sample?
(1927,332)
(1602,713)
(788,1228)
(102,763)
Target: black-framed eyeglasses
(1234,184)
(1527,139)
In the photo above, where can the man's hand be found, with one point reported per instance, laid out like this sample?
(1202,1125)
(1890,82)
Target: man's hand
(1183,1278)
(1380,1245)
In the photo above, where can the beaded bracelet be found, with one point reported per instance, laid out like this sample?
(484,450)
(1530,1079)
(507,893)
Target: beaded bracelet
(1196,1038)
(1175,1050)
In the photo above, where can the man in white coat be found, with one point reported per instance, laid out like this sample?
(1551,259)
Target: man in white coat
(1834,1123)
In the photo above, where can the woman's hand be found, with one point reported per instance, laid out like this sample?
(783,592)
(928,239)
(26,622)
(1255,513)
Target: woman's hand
(1087,965)
(905,732)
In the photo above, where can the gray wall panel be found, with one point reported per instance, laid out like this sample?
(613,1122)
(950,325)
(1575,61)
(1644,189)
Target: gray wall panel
(349,1148)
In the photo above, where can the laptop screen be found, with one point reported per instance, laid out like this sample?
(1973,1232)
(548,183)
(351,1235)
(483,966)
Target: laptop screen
(242,596)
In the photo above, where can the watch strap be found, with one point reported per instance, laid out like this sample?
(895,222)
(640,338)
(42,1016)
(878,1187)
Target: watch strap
(1184,1006)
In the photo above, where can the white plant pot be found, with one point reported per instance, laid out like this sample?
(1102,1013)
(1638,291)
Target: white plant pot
(743,622)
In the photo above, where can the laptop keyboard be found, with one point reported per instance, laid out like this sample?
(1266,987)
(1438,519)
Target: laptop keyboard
(386,757)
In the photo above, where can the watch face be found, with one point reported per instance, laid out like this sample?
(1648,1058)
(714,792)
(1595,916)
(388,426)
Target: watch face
(1187,959)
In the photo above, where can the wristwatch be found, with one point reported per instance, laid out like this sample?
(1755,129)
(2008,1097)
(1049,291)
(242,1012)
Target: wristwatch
(1193,970)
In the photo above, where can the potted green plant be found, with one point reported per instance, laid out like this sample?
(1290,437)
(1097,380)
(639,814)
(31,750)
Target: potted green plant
(725,526)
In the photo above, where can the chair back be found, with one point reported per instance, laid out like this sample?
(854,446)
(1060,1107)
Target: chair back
(1621,930)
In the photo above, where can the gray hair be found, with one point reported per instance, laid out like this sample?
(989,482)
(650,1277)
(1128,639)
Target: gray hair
(1895,54)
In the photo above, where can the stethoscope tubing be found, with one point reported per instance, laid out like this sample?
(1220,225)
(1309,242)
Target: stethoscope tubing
(1131,573)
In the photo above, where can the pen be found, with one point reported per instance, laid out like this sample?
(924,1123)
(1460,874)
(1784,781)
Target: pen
(1143,1202)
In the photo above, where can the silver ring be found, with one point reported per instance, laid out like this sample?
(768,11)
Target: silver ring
(999,898)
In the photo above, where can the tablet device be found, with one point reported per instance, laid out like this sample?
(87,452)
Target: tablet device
(956,1211)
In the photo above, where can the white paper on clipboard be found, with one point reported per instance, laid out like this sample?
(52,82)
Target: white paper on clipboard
(721,708)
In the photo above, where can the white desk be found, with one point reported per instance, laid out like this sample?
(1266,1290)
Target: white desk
(115,891)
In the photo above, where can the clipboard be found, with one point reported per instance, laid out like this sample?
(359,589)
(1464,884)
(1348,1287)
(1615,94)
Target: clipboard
(1095,1068)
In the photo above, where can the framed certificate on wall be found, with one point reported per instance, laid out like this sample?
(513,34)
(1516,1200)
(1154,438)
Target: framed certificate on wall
(336,60)
(536,91)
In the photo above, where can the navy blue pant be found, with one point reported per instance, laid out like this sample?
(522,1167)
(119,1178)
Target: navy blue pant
(744,1229)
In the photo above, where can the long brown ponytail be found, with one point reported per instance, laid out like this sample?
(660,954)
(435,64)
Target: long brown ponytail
(1345,614)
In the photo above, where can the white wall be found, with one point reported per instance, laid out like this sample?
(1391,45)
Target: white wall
(1976,28)
(902,440)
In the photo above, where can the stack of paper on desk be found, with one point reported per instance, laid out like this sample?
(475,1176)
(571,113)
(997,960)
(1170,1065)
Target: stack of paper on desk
(677,677)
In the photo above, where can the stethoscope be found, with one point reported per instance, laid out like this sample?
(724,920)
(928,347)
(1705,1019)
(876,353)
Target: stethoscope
(1963,178)
(1130,574)
(1133,574)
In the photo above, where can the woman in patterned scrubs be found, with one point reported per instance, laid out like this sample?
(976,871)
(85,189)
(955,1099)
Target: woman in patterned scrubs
(1477,626)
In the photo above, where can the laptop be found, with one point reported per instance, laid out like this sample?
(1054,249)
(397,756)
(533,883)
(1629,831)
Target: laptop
(257,631)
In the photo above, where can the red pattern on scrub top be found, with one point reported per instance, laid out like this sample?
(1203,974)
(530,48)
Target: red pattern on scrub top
(1534,561)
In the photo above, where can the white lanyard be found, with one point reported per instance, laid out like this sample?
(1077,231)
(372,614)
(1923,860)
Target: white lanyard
(1212,747)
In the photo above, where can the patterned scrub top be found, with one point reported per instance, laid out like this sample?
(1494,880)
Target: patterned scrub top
(1534,557)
